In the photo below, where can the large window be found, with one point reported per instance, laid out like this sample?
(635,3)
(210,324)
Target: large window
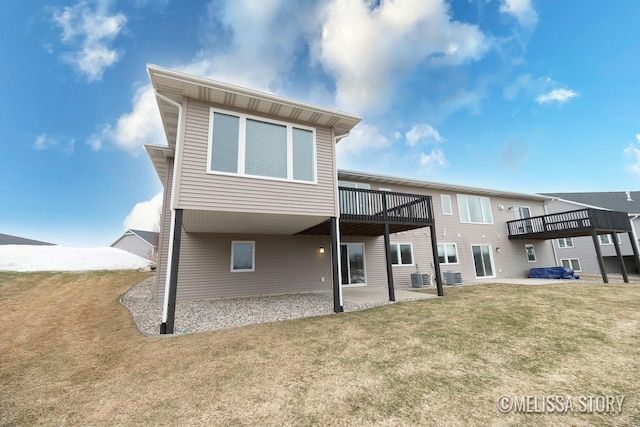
(474,209)
(249,146)
(447,253)
(243,256)
(565,242)
(572,263)
(401,254)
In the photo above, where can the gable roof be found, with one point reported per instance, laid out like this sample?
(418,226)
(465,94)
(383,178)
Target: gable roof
(383,179)
(8,239)
(149,237)
(611,200)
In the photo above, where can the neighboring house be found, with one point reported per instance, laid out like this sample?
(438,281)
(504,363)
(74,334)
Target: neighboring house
(579,253)
(7,239)
(253,205)
(139,242)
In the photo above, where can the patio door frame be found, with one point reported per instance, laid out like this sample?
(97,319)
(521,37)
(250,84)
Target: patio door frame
(491,261)
(348,265)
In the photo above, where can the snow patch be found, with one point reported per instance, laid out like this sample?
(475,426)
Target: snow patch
(60,258)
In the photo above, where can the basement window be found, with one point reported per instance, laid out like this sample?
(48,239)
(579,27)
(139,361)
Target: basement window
(243,256)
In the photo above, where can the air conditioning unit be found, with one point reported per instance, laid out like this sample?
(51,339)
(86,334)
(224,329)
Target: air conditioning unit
(452,278)
(420,280)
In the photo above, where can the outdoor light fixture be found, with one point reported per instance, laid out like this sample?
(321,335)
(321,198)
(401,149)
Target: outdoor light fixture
(498,249)
(321,249)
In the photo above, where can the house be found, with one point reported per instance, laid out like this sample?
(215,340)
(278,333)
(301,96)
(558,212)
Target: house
(253,204)
(138,242)
(8,239)
(579,253)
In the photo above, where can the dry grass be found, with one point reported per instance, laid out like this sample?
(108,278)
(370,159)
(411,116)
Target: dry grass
(70,355)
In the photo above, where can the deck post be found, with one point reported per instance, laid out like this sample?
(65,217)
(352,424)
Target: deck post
(167,327)
(436,261)
(625,277)
(335,265)
(634,247)
(387,251)
(596,243)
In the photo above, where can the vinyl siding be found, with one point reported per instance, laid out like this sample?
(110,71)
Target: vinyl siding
(283,264)
(205,191)
(510,262)
(163,239)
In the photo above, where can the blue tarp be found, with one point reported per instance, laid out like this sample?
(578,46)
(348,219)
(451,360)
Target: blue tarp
(552,273)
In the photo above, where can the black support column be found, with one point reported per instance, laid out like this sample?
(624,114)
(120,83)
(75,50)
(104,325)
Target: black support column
(335,265)
(634,246)
(436,261)
(167,328)
(387,251)
(620,259)
(596,243)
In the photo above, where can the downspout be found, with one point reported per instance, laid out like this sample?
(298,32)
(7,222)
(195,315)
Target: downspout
(553,247)
(337,138)
(172,205)
(633,227)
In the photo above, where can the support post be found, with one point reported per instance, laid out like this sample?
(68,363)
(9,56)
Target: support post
(167,327)
(387,251)
(625,277)
(335,265)
(436,261)
(634,247)
(596,243)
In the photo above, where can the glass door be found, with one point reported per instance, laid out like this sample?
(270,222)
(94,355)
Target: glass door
(352,263)
(523,212)
(482,260)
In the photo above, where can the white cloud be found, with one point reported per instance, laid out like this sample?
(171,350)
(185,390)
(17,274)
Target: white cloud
(362,139)
(522,10)
(144,215)
(91,32)
(369,49)
(45,142)
(556,95)
(435,160)
(633,154)
(141,125)
(422,133)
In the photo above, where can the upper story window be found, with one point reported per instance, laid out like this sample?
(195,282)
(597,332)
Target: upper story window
(446,204)
(565,242)
(244,145)
(474,209)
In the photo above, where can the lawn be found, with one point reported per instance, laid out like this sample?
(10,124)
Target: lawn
(70,354)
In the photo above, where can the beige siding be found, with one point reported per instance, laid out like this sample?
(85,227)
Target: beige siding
(135,245)
(283,264)
(163,239)
(509,262)
(205,191)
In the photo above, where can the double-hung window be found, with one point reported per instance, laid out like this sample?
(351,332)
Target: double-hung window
(401,254)
(474,209)
(244,145)
(565,242)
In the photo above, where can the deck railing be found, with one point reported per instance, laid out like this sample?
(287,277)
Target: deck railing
(359,204)
(572,221)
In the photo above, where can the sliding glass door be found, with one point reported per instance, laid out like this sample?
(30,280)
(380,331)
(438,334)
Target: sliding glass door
(482,260)
(352,263)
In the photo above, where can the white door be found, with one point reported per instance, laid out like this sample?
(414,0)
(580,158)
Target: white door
(483,260)
(523,212)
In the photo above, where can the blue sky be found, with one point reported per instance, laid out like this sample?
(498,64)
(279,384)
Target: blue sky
(518,95)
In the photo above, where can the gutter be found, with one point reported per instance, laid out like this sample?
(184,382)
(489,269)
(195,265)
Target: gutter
(172,205)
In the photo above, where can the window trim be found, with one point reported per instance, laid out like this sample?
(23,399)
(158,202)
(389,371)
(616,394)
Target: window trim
(446,262)
(253,256)
(242,145)
(442,199)
(569,260)
(413,258)
(493,263)
(609,237)
(565,243)
(465,205)
(533,251)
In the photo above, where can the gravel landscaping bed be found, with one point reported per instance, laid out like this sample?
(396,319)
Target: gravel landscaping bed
(209,315)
